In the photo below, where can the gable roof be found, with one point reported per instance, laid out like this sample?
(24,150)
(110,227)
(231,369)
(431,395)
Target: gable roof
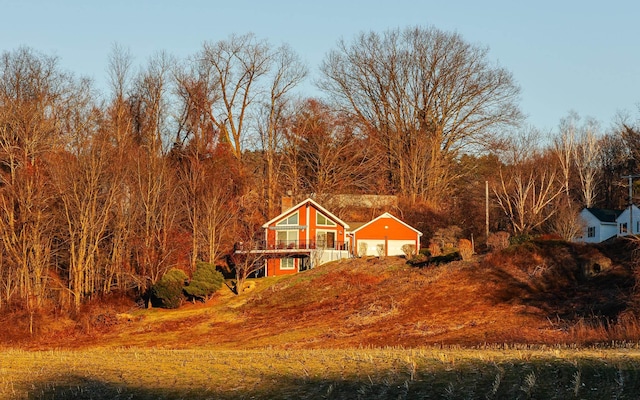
(604,214)
(386,215)
(315,205)
(356,225)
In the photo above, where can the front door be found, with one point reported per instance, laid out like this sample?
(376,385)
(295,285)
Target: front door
(326,239)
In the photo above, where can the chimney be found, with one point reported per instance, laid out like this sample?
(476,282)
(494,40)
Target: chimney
(287,203)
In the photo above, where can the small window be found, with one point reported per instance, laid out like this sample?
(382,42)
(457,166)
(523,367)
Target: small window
(287,263)
(321,219)
(591,231)
(291,220)
(623,227)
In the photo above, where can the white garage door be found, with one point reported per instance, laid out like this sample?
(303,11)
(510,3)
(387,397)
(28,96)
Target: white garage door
(369,247)
(372,247)
(395,247)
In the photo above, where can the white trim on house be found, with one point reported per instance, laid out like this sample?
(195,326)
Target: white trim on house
(289,260)
(386,215)
(326,212)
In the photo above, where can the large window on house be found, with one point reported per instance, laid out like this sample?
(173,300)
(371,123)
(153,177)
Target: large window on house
(321,219)
(591,231)
(287,263)
(290,220)
(286,239)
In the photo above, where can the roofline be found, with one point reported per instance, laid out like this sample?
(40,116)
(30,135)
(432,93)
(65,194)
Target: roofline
(617,213)
(387,215)
(308,200)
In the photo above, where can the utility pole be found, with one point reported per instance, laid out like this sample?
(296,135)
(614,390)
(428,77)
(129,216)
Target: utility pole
(486,207)
(630,177)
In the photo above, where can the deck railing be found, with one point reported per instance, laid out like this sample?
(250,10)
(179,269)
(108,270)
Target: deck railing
(291,245)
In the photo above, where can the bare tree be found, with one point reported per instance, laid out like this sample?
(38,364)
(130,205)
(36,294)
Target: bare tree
(120,79)
(427,94)
(564,147)
(234,68)
(217,215)
(567,222)
(234,91)
(288,71)
(527,187)
(612,164)
(152,187)
(247,260)
(150,104)
(36,101)
(587,151)
(87,189)
(527,195)
(328,152)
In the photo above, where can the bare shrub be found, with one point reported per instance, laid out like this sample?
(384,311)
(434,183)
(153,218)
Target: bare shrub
(465,247)
(434,249)
(380,250)
(362,249)
(447,237)
(409,250)
(498,240)
(567,222)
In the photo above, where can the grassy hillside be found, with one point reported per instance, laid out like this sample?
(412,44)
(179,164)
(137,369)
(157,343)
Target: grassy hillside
(535,293)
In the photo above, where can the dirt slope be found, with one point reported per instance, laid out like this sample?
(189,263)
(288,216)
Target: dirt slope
(542,292)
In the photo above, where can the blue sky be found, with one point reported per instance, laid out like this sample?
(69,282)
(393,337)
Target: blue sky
(565,55)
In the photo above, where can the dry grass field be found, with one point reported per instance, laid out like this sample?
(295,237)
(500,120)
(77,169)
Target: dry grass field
(528,322)
(320,374)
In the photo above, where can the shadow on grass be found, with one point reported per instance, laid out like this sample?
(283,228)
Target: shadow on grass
(550,278)
(521,379)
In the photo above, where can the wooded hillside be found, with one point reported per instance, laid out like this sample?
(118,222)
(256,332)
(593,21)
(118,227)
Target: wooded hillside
(105,192)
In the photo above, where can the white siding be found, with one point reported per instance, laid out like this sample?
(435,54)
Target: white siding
(625,218)
(603,230)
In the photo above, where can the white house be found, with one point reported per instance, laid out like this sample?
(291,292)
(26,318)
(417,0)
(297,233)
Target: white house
(629,221)
(599,224)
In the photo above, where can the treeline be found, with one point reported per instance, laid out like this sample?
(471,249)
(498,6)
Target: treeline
(104,192)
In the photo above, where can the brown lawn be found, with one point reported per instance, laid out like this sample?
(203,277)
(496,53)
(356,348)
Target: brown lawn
(537,293)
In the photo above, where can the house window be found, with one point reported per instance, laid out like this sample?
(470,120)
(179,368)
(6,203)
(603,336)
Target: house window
(321,219)
(591,231)
(287,263)
(326,239)
(286,239)
(623,227)
(290,220)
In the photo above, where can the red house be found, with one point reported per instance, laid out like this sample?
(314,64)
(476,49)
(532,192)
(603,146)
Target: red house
(307,235)
(385,235)
(302,237)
